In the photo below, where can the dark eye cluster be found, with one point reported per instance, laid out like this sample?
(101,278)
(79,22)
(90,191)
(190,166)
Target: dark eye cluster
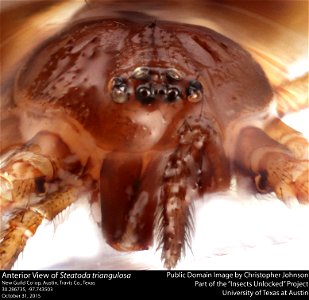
(147,92)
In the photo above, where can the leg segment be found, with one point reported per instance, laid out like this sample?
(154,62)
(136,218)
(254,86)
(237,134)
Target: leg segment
(274,166)
(44,169)
(25,223)
(23,175)
(28,171)
(288,137)
(292,95)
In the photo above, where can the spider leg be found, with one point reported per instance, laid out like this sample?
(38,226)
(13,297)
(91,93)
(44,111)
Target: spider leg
(23,174)
(292,95)
(25,223)
(34,169)
(288,137)
(273,165)
(44,168)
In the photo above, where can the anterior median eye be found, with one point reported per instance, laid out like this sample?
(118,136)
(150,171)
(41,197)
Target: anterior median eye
(172,94)
(144,94)
(119,90)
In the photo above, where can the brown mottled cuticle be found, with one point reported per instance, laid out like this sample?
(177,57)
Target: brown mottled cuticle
(150,116)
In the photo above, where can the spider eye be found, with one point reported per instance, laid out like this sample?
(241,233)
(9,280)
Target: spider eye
(172,94)
(141,73)
(194,91)
(144,94)
(173,74)
(119,90)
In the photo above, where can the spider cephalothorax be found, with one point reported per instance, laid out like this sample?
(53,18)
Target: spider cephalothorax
(147,116)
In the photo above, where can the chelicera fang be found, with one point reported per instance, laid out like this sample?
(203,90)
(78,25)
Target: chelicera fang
(146,118)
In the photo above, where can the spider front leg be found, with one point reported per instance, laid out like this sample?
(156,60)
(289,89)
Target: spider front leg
(25,223)
(24,173)
(288,137)
(36,183)
(276,166)
(34,169)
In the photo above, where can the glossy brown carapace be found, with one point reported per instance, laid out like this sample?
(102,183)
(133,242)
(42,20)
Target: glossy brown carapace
(149,117)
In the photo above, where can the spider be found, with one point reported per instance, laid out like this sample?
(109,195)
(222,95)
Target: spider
(146,117)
